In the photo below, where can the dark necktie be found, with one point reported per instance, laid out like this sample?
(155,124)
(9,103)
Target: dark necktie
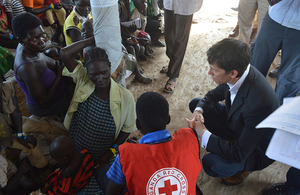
(228,101)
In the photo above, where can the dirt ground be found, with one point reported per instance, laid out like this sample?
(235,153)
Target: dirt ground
(216,20)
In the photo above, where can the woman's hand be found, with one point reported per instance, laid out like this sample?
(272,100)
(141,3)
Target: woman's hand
(58,68)
(103,159)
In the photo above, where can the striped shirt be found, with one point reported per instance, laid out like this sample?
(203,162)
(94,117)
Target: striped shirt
(60,185)
(13,6)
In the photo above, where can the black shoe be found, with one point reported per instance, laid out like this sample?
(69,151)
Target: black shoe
(275,189)
(274,73)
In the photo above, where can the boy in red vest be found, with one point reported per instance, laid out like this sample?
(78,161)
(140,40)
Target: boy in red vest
(161,163)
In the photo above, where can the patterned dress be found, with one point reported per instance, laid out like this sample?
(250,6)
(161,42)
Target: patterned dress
(93,128)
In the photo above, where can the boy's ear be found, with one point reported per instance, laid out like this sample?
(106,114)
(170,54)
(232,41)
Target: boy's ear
(169,120)
(138,124)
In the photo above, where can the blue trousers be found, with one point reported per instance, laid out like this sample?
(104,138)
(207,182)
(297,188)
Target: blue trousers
(271,38)
(215,120)
(293,181)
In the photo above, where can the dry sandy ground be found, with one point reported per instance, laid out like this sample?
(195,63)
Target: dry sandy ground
(216,20)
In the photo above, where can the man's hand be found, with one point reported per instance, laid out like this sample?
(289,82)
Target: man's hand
(197,122)
(132,28)
(29,139)
(191,121)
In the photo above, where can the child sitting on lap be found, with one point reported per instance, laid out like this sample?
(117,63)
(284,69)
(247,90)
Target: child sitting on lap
(76,168)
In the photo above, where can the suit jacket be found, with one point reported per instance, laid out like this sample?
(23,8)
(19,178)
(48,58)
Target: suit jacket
(254,101)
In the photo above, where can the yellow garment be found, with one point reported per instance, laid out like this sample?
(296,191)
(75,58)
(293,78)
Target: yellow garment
(122,104)
(70,24)
(60,14)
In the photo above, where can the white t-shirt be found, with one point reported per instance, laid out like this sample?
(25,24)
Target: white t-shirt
(183,7)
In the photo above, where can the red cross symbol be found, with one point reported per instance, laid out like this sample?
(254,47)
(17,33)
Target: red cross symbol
(168,189)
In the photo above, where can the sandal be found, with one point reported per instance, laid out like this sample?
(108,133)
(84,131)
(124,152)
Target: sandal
(170,87)
(164,69)
(142,79)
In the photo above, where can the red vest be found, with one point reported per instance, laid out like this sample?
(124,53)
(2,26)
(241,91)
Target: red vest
(162,168)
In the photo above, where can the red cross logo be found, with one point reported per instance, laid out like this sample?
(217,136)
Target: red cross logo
(168,189)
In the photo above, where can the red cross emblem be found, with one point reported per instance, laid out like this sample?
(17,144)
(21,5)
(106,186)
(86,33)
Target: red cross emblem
(168,189)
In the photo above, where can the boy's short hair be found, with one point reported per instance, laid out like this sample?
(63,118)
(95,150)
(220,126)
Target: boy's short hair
(230,54)
(152,111)
(23,22)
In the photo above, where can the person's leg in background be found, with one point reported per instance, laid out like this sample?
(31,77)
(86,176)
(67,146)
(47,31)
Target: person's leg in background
(288,80)
(267,44)
(181,36)
(246,14)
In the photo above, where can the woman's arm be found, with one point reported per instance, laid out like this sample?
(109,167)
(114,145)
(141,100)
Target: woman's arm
(7,37)
(75,36)
(31,76)
(37,11)
(16,119)
(105,157)
(69,52)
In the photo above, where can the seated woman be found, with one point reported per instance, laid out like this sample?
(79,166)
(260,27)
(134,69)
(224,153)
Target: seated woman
(102,112)
(72,28)
(39,76)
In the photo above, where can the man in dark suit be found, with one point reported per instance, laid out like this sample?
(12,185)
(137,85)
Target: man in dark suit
(236,147)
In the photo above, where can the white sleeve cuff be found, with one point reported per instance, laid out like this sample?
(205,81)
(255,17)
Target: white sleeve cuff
(205,138)
(199,108)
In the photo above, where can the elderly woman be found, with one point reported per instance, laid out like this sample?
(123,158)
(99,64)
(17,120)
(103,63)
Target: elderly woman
(39,76)
(102,112)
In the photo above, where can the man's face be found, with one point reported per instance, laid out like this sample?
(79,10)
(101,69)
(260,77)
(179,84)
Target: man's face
(219,75)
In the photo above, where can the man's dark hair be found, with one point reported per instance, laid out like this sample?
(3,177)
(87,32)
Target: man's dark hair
(23,22)
(95,54)
(152,111)
(230,54)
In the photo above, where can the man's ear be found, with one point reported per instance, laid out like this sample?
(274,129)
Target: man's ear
(169,120)
(233,73)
